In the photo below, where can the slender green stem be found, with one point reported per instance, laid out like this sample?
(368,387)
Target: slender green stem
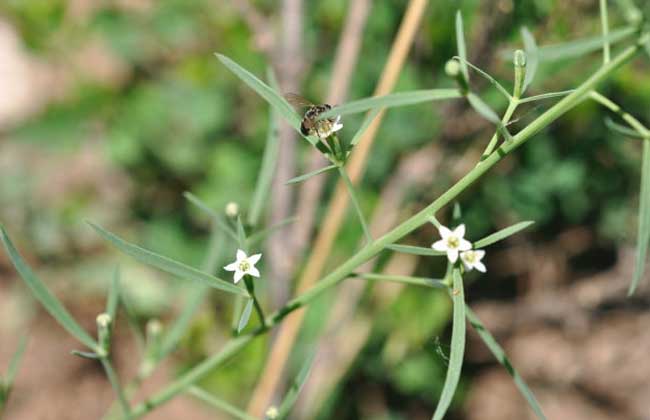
(632,121)
(355,202)
(218,403)
(250,286)
(512,106)
(117,386)
(373,248)
(605,25)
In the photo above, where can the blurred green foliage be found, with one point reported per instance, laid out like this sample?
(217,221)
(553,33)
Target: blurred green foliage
(176,120)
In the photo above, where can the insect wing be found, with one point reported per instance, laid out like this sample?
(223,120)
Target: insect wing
(297,100)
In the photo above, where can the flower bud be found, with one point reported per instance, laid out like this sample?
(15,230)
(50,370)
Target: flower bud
(452,68)
(104,321)
(232,209)
(520,58)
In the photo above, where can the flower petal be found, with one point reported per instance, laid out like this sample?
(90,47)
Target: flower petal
(464,245)
(440,246)
(241,255)
(238,275)
(336,127)
(467,265)
(452,254)
(460,231)
(232,266)
(479,254)
(254,272)
(253,259)
(444,232)
(480,266)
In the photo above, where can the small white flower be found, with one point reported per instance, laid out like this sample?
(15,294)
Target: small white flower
(244,265)
(452,242)
(333,128)
(472,259)
(272,413)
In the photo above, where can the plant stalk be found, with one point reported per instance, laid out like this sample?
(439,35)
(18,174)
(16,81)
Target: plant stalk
(376,246)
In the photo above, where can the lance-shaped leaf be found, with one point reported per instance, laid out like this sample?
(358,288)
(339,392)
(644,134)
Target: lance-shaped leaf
(643,235)
(415,250)
(167,264)
(265,91)
(245,316)
(305,177)
(457,347)
(43,294)
(259,237)
(113,294)
(296,386)
(392,100)
(365,125)
(501,357)
(269,163)
(623,130)
(460,45)
(532,57)
(219,404)
(14,363)
(546,96)
(486,112)
(410,280)
(216,217)
(502,234)
(583,46)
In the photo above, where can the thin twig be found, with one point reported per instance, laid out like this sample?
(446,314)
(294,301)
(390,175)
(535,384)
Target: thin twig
(335,213)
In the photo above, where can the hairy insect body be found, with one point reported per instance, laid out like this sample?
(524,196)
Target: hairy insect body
(312,126)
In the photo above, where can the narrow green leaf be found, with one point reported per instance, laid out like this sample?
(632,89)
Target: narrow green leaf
(502,234)
(486,112)
(296,386)
(643,236)
(457,347)
(259,237)
(532,57)
(213,258)
(271,96)
(482,108)
(501,357)
(167,264)
(43,294)
(416,281)
(545,96)
(415,250)
(269,163)
(218,403)
(460,45)
(370,117)
(85,354)
(12,370)
(113,294)
(489,78)
(392,100)
(582,46)
(311,174)
(216,217)
(245,316)
(622,130)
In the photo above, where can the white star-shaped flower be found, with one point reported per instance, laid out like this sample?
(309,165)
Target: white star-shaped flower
(244,265)
(472,259)
(452,242)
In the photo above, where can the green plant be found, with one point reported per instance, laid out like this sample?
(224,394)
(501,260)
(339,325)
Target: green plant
(249,234)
